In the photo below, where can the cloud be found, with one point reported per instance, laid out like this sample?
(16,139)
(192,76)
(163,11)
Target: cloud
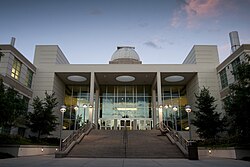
(152,45)
(175,22)
(192,11)
(197,9)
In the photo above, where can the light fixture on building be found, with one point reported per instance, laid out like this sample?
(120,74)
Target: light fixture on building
(175,108)
(174,78)
(126,109)
(76,78)
(125,78)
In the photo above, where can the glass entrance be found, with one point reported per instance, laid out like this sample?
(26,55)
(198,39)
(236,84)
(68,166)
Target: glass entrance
(125,107)
(125,124)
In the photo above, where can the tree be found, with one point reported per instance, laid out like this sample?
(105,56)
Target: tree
(13,106)
(207,120)
(42,120)
(237,104)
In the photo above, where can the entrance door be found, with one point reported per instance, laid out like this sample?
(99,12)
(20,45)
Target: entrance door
(126,124)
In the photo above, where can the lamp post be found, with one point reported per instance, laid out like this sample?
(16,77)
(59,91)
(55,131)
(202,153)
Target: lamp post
(76,109)
(84,111)
(175,110)
(188,110)
(62,109)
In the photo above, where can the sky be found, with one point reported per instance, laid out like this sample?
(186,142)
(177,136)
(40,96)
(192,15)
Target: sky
(89,31)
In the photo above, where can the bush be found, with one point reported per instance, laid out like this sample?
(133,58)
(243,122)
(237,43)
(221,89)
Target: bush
(5,155)
(18,140)
(13,139)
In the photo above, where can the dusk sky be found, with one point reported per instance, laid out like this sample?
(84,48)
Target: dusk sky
(88,31)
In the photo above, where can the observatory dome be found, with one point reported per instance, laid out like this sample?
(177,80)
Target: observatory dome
(125,55)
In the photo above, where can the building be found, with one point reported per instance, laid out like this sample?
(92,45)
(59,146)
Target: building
(230,64)
(16,72)
(125,93)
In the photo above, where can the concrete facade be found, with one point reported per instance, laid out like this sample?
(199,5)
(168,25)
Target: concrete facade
(198,70)
(51,70)
(227,66)
(20,79)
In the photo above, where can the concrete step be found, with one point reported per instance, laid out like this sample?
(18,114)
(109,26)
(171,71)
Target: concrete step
(135,144)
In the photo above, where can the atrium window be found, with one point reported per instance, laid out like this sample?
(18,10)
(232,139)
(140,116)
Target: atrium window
(16,69)
(223,78)
(28,79)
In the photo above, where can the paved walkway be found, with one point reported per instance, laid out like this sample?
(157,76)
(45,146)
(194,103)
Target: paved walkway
(50,161)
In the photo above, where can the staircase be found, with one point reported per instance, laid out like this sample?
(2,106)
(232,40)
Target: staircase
(125,144)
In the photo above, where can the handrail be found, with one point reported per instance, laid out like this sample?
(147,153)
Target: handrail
(125,141)
(180,141)
(75,135)
(163,128)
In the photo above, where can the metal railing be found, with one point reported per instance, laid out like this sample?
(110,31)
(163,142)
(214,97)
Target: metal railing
(176,136)
(182,140)
(163,128)
(125,141)
(75,135)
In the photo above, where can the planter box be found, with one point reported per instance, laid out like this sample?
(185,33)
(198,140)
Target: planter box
(227,152)
(28,150)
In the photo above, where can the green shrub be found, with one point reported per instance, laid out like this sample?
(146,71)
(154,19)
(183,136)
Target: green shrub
(18,140)
(5,155)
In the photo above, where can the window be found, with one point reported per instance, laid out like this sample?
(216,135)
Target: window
(235,65)
(16,69)
(223,78)
(28,79)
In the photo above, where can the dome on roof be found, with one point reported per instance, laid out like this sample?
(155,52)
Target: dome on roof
(125,52)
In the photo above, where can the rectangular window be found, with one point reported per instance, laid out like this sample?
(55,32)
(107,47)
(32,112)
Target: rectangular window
(28,79)
(223,78)
(16,69)
(235,65)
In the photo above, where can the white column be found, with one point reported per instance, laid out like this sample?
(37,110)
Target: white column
(154,108)
(160,114)
(91,98)
(159,95)
(97,92)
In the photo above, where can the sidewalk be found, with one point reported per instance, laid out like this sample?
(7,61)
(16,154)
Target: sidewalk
(50,161)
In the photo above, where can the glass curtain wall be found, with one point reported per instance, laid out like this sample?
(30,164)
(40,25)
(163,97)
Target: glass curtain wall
(174,101)
(76,96)
(125,102)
